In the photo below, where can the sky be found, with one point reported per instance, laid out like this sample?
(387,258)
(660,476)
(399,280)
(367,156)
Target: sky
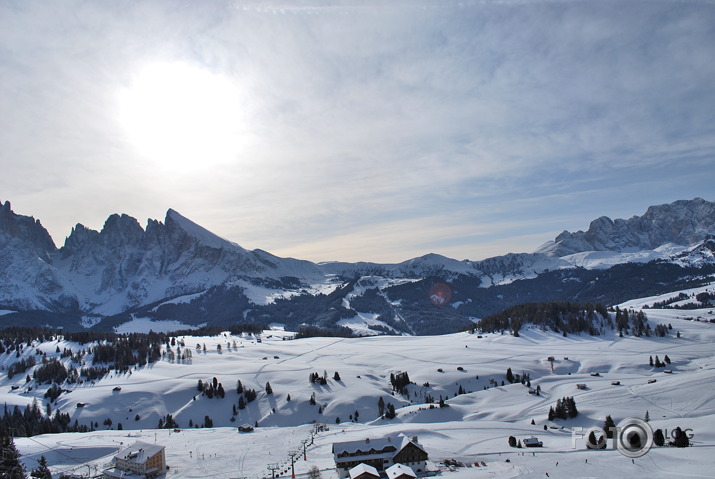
(357,131)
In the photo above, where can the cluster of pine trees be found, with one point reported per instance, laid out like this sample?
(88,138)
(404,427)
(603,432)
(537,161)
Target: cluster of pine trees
(658,363)
(523,378)
(211,388)
(33,422)
(246,395)
(565,409)
(317,378)
(561,317)
(399,382)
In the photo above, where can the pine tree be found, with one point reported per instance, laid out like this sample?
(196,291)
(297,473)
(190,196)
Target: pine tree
(239,387)
(680,439)
(10,466)
(591,441)
(336,376)
(288,398)
(509,376)
(380,406)
(573,412)
(647,417)
(650,361)
(666,359)
(658,438)
(609,426)
(42,471)
(390,413)
(314,473)
(269,389)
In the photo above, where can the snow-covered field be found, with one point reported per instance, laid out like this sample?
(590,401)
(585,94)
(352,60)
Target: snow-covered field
(475,426)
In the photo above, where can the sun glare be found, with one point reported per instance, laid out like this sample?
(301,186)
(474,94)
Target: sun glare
(183,118)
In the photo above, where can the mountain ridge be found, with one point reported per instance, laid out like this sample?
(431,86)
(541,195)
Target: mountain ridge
(119,271)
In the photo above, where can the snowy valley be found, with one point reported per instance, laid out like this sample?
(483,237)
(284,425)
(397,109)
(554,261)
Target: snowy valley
(472,427)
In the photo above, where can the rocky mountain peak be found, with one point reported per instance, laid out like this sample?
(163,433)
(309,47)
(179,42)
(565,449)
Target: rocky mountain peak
(26,230)
(683,222)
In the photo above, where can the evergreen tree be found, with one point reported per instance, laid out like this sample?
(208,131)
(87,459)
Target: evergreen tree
(658,438)
(512,441)
(336,376)
(288,398)
(269,389)
(390,413)
(666,359)
(42,471)
(647,417)
(572,411)
(680,439)
(609,426)
(380,406)
(650,361)
(10,466)
(314,473)
(509,375)
(239,387)
(594,443)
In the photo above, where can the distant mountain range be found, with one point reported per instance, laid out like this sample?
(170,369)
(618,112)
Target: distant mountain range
(178,271)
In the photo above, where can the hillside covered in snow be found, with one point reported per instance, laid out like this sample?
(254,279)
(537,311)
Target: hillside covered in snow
(452,391)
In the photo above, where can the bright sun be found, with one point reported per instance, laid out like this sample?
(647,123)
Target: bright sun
(183,118)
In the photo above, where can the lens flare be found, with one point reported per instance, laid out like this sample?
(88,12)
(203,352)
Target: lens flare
(440,294)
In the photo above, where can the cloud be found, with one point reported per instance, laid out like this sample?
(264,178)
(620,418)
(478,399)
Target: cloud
(370,120)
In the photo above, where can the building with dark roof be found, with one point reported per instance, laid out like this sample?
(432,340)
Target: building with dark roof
(380,454)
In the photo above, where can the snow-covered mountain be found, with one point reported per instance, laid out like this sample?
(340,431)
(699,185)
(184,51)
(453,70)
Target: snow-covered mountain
(684,223)
(177,270)
(124,266)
